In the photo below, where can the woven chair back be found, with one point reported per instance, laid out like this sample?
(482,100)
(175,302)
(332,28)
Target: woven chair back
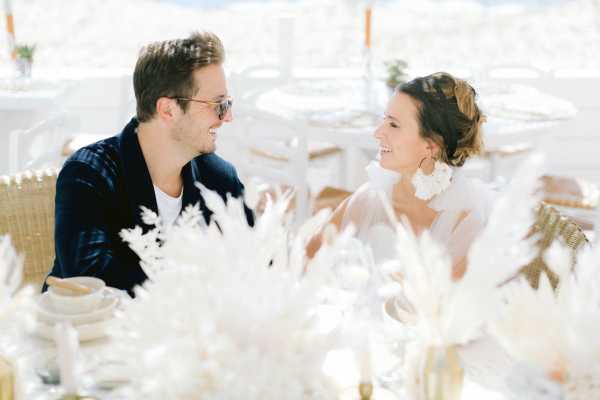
(550,225)
(27,215)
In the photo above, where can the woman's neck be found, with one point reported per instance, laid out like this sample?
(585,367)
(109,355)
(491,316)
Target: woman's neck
(406,203)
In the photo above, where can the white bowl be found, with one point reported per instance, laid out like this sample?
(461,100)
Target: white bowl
(64,302)
(46,312)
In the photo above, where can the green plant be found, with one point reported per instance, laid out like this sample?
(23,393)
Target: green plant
(25,51)
(396,72)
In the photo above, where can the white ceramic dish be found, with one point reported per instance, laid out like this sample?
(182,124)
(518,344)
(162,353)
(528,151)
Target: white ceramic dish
(48,314)
(64,302)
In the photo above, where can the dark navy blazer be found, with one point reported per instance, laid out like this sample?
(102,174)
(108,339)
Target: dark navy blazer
(99,192)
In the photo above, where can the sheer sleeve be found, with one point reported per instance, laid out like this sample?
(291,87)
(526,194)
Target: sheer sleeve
(366,211)
(463,212)
(366,207)
(468,226)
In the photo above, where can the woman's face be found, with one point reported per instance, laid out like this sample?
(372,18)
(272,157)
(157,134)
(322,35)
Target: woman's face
(401,147)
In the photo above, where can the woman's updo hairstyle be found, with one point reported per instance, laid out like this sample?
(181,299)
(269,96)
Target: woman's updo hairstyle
(448,114)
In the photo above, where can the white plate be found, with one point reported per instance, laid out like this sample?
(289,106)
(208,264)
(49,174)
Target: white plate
(47,314)
(86,332)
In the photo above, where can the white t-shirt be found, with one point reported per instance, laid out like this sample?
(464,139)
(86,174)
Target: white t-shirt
(168,207)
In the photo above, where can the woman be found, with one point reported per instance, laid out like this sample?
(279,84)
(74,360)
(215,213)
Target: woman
(431,126)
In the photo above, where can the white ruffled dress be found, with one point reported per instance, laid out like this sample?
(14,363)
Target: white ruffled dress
(367,212)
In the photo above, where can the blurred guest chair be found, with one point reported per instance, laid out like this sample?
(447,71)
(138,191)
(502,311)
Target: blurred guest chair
(273,150)
(27,215)
(39,146)
(551,226)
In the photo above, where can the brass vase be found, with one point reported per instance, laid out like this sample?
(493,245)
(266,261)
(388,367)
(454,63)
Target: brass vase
(365,390)
(7,380)
(443,374)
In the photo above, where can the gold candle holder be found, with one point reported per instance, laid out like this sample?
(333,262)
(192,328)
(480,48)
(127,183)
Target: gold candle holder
(76,397)
(365,390)
(7,380)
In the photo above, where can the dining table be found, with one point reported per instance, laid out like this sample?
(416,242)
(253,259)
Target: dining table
(102,374)
(345,111)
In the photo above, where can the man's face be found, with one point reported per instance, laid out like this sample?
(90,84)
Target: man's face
(196,129)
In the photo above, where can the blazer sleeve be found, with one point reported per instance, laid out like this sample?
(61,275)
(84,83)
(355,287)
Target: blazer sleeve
(83,242)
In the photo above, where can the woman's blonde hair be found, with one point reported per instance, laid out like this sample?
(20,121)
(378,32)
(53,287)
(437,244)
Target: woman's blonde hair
(448,114)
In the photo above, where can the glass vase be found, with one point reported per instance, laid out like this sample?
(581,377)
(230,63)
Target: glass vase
(24,66)
(443,374)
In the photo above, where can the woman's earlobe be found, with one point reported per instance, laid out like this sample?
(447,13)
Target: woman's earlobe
(433,148)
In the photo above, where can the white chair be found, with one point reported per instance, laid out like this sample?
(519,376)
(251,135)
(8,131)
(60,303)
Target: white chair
(248,84)
(265,146)
(503,157)
(48,143)
(102,104)
(99,108)
(39,146)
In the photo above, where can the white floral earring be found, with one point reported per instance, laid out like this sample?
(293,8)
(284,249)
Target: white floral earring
(427,186)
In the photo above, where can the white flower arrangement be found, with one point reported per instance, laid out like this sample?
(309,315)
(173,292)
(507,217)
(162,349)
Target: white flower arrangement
(444,312)
(11,274)
(555,333)
(229,311)
(16,317)
(449,311)
(15,302)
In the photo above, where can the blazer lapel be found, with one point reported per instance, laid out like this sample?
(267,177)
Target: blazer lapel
(138,184)
(191,194)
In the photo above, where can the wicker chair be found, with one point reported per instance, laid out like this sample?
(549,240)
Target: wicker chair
(551,226)
(27,215)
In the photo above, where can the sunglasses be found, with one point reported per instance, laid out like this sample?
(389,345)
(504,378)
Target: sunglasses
(221,107)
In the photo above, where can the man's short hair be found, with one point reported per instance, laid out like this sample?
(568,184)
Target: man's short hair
(165,69)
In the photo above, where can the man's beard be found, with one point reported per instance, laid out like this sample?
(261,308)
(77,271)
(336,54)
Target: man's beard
(185,141)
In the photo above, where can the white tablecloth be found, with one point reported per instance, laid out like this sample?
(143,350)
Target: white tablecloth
(102,368)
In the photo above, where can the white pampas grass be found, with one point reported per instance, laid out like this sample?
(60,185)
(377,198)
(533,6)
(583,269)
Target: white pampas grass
(15,301)
(447,312)
(11,273)
(229,311)
(16,318)
(452,312)
(556,332)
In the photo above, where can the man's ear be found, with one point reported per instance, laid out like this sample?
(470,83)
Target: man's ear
(166,109)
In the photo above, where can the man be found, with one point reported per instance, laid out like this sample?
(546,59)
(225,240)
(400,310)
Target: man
(182,100)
